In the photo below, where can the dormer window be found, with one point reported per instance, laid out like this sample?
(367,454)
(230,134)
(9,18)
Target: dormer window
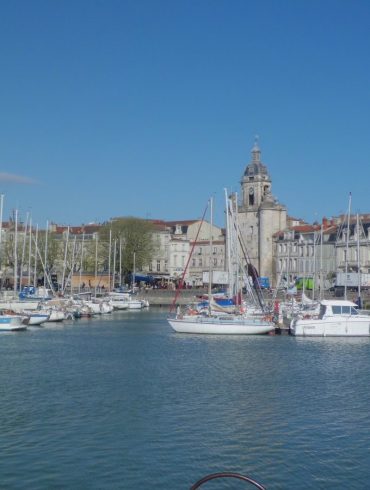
(178,230)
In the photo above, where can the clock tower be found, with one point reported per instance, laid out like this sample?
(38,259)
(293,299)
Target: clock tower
(256,181)
(260,215)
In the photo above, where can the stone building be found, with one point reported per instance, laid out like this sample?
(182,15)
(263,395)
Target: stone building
(260,215)
(353,244)
(306,251)
(185,246)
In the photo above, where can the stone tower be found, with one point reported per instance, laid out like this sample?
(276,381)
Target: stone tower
(260,215)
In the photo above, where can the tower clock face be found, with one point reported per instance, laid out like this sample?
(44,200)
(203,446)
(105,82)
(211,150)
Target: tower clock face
(251,190)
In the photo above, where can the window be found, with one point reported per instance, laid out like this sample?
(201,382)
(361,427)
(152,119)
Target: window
(166,265)
(337,310)
(158,265)
(346,310)
(200,263)
(322,311)
(193,263)
(214,261)
(214,250)
(200,251)
(150,266)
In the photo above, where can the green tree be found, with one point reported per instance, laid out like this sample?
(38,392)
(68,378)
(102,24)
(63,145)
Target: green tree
(135,236)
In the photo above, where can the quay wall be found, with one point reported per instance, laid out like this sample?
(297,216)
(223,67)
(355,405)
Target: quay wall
(165,297)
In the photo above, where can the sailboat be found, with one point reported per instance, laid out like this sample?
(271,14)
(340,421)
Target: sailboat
(210,322)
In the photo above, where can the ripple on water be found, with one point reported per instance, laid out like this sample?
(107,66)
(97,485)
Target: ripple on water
(124,402)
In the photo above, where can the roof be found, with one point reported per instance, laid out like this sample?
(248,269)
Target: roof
(183,222)
(337,302)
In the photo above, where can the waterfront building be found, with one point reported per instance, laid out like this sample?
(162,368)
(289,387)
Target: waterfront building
(306,251)
(353,244)
(186,243)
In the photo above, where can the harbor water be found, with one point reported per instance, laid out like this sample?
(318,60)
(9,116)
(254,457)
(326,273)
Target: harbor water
(122,402)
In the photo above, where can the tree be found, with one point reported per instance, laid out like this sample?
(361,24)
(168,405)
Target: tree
(134,235)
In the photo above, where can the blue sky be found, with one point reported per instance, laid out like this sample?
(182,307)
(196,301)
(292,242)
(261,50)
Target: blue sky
(147,108)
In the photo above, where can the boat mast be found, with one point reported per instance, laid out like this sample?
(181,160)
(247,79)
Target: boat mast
(35,264)
(73,263)
(114,261)
(81,264)
(1,228)
(15,251)
(358,262)
(347,245)
(210,257)
(46,251)
(23,251)
(133,273)
(96,261)
(321,272)
(237,278)
(228,247)
(109,258)
(65,260)
(120,261)
(30,253)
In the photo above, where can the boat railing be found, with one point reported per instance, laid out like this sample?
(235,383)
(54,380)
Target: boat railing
(224,475)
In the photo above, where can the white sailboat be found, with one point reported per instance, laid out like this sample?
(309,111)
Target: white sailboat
(216,324)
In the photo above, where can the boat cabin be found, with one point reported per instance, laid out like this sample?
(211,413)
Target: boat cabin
(333,308)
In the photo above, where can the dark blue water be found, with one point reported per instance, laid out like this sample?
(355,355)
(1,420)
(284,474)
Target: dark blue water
(122,402)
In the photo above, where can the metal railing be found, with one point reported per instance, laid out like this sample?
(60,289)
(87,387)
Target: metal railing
(237,476)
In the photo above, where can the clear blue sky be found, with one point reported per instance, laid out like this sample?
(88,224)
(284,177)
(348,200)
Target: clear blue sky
(147,108)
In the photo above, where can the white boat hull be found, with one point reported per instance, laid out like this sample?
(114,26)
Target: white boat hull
(37,319)
(9,323)
(331,328)
(119,305)
(19,306)
(134,304)
(217,326)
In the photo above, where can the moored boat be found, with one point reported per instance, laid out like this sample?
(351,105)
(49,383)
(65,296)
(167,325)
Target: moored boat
(221,325)
(336,318)
(10,323)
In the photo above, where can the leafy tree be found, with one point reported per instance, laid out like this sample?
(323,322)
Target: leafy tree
(135,235)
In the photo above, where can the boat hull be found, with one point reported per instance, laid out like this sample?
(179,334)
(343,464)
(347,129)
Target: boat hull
(37,319)
(331,328)
(217,327)
(10,323)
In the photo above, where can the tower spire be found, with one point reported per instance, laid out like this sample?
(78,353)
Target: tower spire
(256,152)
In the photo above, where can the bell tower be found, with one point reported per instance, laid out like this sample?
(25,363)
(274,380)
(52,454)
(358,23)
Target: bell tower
(260,214)
(256,182)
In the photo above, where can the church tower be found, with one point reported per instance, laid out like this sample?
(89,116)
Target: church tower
(260,215)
